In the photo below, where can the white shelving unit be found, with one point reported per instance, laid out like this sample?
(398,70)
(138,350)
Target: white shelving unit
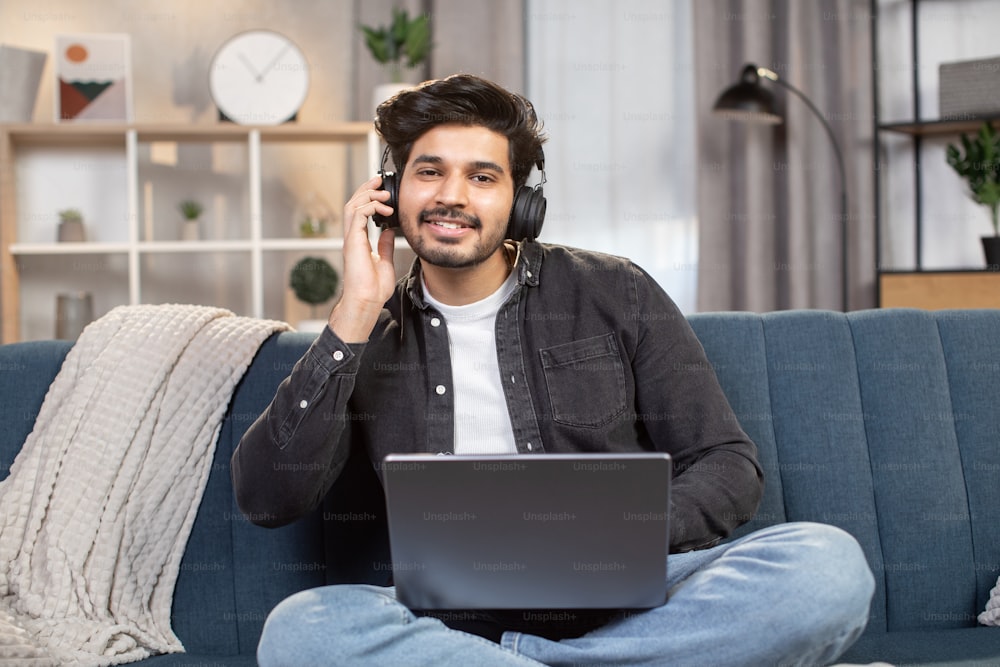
(136,264)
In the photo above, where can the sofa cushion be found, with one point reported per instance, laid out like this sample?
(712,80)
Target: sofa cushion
(977,647)
(972,348)
(199,660)
(924,524)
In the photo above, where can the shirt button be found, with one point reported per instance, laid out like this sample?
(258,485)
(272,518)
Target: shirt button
(529,446)
(303,404)
(435,321)
(440,390)
(338,355)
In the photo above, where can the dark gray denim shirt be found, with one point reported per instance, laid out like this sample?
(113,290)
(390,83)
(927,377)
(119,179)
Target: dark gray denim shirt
(594,357)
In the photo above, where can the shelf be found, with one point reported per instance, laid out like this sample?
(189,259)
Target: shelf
(238,245)
(86,248)
(193,246)
(305,245)
(152,264)
(52,134)
(113,134)
(937,290)
(918,272)
(929,128)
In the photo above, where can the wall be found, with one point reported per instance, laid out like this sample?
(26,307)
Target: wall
(173,43)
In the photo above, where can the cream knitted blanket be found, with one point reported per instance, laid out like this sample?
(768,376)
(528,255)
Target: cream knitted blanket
(991,614)
(96,512)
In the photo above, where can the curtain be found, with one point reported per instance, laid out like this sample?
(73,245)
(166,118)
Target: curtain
(769,196)
(613,83)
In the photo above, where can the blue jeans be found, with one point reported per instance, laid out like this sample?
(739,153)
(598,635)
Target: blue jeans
(791,594)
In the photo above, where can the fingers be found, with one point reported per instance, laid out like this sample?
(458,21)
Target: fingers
(385,244)
(367,201)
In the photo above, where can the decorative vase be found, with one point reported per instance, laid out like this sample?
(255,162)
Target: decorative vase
(21,71)
(191,231)
(991,249)
(73,312)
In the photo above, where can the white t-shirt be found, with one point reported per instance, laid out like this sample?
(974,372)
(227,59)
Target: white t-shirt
(482,423)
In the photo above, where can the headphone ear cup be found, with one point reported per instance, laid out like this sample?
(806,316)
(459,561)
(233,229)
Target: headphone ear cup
(390,183)
(527,214)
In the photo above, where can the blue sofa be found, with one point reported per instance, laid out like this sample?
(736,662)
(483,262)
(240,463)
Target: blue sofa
(885,423)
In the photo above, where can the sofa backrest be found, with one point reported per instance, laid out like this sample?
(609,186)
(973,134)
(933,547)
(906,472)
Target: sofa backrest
(26,371)
(886,424)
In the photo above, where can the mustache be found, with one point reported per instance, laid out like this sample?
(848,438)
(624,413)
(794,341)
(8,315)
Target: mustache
(451,213)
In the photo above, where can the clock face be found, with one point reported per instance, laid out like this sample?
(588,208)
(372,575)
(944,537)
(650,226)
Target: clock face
(259,78)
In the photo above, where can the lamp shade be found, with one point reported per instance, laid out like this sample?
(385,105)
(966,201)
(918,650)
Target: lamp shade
(747,100)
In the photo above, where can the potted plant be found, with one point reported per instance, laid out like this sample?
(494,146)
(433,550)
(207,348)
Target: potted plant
(314,281)
(313,217)
(71,226)
(191,210)
(404,42)
(978,162)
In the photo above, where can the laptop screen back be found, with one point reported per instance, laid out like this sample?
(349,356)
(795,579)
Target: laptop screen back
(540,531)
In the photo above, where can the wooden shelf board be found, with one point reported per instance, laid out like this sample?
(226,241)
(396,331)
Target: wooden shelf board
(85,248)
(302,244)
(940,127)
(937,290)
(150,247)
(113,134)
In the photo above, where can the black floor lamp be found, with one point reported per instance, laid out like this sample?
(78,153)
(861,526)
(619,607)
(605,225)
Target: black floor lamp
(749,101)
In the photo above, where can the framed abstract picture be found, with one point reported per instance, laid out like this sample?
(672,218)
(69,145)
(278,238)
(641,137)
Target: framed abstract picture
(93,78)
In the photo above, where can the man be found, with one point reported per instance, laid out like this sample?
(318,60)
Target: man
(504,345)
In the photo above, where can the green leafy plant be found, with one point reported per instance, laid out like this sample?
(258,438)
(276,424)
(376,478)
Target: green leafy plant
(314,281)
(70,215)
(190,209)
(404,41)
(978,162)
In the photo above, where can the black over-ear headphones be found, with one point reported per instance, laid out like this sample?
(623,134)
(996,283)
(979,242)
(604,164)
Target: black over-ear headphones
(526,215)
(390,183)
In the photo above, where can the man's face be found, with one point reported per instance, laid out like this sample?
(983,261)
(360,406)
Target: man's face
(456,194)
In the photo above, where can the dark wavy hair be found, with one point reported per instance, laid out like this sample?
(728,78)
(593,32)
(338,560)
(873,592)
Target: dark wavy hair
(462,99)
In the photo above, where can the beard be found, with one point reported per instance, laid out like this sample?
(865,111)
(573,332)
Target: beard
(453,254)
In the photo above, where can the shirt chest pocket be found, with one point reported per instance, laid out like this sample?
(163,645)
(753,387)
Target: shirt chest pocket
(585,381)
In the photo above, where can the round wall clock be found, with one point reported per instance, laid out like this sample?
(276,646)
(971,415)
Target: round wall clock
(259,77)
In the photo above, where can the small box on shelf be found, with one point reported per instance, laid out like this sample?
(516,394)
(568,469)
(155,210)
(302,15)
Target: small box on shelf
(968,89)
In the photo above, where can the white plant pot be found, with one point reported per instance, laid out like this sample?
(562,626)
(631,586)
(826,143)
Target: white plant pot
(71,231)
(386,90)
(191,230)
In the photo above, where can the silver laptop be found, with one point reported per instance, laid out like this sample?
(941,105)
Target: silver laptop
(532,531)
